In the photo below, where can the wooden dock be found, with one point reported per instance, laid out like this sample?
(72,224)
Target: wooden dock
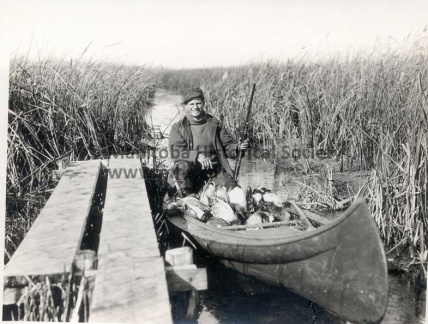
(131,281)
(51,244)
(130,285)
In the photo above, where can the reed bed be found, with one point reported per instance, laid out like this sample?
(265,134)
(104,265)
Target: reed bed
(371,108)
(45,299)
(61,111)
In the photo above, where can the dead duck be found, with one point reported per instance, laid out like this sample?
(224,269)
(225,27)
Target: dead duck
(259,217)
(270,197)
(238,200)
(221,193)
(195,208)
(223,210)
(257,196)
(207,194)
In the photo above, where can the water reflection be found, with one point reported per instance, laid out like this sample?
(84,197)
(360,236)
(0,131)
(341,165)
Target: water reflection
(406,302)
(235,298)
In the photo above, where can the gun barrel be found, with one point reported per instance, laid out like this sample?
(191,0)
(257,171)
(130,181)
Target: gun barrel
(245,135)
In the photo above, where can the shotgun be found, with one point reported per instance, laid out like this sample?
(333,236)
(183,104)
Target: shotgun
(245,134)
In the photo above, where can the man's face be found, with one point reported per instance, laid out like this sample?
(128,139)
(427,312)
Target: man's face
(195,107)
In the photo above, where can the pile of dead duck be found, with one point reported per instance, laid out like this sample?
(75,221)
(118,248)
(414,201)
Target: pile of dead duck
(219,208)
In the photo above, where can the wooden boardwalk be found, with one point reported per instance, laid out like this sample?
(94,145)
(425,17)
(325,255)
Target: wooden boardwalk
(54,239)
(130,284)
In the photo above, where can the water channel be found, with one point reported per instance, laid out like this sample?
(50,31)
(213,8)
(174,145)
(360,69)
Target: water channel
(234,298)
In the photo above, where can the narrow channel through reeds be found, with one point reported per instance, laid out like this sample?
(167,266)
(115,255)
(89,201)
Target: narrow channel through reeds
(369,110)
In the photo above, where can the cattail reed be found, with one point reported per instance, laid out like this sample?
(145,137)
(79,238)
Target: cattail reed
(371,108)
(66,111)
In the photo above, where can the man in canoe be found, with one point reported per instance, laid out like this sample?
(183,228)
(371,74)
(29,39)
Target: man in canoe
(199,146)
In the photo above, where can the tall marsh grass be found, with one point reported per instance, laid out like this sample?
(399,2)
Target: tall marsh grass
(371,107)
(61,111)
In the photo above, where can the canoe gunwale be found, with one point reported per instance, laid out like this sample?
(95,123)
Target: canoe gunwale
(270,239)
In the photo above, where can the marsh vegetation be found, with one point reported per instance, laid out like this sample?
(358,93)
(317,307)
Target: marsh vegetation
(61,111)
(367,112)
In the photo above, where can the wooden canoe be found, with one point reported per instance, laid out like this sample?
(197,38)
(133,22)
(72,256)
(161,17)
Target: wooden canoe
(340,266)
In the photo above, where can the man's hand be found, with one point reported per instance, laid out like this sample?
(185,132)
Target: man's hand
(204,161)
(244,145)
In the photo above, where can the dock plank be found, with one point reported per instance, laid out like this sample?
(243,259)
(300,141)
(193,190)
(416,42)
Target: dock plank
(134,292)
(53,240)
(130,285)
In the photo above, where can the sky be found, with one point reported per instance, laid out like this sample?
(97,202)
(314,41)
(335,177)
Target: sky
(199,33)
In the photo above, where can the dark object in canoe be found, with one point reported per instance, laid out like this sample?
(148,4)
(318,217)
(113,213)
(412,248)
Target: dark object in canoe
(341,265)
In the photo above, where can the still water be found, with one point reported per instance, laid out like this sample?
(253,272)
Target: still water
(234,298)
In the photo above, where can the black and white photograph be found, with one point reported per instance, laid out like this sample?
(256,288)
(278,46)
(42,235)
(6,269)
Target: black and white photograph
(214,162)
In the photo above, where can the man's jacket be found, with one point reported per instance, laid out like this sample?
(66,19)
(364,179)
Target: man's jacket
(181,142)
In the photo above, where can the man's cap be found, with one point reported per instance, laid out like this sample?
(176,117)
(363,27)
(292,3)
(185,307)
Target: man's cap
(195,93)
